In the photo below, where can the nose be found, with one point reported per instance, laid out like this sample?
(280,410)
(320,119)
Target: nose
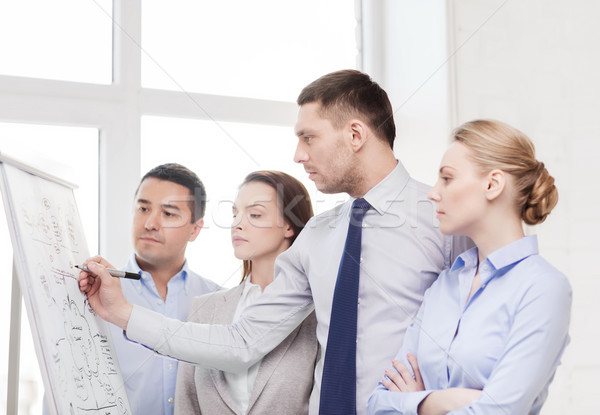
(152,222)
(237,222)
(434,194)
(300,156)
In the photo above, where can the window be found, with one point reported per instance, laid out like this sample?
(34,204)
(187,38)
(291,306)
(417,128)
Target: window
(203,71)
(67,40)
(265,49)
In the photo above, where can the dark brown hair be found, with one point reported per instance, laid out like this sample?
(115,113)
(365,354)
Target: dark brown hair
(349,93)
(176,173)
(292,199)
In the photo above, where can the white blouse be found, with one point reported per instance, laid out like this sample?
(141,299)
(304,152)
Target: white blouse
(240,384)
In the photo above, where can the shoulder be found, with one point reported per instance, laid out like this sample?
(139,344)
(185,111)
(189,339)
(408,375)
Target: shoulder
(200,285)
(326,217)
(200,302)
(418,187)
(543,278)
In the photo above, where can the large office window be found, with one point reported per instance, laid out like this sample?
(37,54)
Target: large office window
(207,84)
(69,40)
(261,49)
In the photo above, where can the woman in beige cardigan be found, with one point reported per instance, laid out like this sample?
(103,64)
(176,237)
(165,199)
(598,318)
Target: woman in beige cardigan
(270,210)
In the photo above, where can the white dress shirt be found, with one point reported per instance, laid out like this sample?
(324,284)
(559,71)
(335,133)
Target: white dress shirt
(403,252)
(241,384)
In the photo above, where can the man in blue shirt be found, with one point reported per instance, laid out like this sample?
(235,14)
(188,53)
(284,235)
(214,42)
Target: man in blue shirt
(169,206)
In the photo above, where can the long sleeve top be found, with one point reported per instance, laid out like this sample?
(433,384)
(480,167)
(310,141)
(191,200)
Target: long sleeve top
(506,340)
(150,379)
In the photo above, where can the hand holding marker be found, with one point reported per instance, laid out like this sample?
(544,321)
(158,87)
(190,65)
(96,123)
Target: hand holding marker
(114,272)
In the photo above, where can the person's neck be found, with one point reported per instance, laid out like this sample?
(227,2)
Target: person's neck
(161,274)
(377,167)
(495,234)
(262,272)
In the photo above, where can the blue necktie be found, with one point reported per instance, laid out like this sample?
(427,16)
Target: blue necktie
(338,386)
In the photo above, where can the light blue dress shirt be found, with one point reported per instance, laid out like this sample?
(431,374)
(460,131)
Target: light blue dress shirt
(509,337)
(150,379)
(403,252)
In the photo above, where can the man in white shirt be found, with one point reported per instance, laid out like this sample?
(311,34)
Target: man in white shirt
(345,133)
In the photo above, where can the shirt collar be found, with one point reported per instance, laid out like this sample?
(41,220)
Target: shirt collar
(248,285)
(514,252)
(386,191)
(133,266)
(507,255)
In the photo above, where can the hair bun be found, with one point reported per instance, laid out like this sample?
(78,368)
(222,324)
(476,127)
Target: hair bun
(543,196)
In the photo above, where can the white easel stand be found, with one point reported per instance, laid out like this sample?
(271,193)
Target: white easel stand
(12,390)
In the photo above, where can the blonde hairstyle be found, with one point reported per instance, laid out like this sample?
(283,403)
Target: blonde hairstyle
(496,145)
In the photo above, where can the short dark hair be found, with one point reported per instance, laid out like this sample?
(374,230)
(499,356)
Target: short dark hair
(176,173)
(293,200)
(348,93)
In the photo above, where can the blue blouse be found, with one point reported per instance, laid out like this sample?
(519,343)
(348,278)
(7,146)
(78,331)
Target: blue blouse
(507,340)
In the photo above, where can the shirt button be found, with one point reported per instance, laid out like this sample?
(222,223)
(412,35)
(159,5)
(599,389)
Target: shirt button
(359,300)
(170,400)
(361,260)
(170,366)
(159,302)
(144,276)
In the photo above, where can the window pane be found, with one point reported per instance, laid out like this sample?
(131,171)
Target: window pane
(55,150)
(61,39)
(222,155)
(262,49)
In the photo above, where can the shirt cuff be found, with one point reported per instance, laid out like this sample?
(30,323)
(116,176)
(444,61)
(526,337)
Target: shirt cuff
(385,402)
(412,401)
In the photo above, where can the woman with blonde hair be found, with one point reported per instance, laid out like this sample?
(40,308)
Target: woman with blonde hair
(270,210)
(491,330)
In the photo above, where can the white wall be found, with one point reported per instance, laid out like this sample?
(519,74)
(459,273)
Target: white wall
(535,65)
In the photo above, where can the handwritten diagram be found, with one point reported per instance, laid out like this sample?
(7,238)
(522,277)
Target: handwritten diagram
(73,344)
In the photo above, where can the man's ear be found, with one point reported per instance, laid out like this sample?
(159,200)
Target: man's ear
(359,134)
(496,182)
(196,229)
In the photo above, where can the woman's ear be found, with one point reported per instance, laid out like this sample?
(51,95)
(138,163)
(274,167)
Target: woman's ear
(496,182)
(289,231)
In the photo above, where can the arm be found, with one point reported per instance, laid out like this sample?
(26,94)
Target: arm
(534,345)
(438,402)
(386,401)
(283,306)
(442,401)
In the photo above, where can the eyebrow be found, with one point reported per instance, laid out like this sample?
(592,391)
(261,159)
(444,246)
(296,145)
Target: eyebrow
(305,131)
(446,167)
(163,205)
(169,206)
(256,204)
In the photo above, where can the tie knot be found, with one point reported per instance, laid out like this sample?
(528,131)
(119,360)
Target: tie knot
(360,204)
(359,208)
